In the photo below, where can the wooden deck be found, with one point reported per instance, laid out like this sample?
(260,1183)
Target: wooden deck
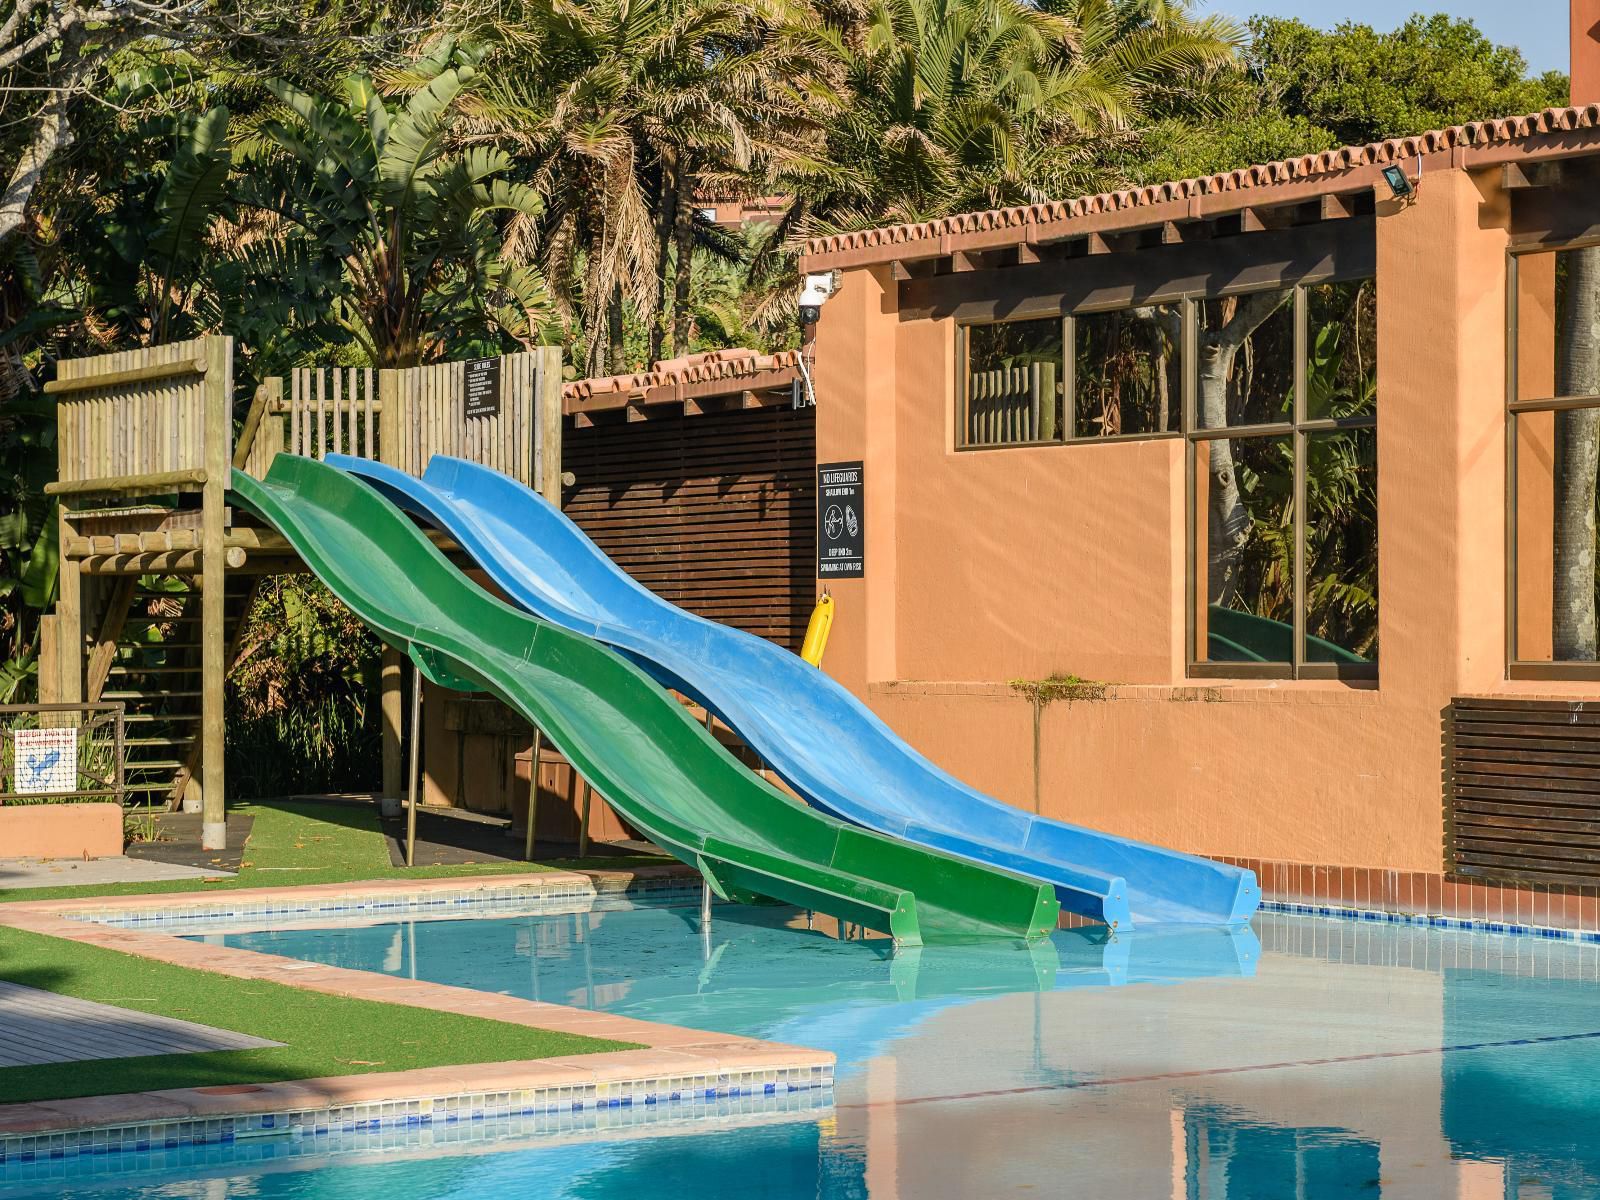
(43,1027)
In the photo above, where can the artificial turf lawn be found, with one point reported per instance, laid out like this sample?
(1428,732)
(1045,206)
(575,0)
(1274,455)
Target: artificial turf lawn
(324,1035)
(304,841)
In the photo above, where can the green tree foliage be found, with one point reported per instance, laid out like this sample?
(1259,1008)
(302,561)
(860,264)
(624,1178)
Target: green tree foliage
(1305,89)
(954,105)
(375,183)
(624,113)
(303,698)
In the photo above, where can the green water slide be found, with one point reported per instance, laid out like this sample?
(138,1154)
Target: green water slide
(639,747)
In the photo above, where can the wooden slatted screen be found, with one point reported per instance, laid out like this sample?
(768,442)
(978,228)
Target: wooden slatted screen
(1523,790)
(715,512)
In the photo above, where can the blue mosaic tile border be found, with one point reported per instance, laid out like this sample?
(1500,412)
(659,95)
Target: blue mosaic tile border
(1469,924)
(523,898)
(552,1109)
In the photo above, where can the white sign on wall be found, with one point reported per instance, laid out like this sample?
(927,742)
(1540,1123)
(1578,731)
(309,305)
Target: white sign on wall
(45,760)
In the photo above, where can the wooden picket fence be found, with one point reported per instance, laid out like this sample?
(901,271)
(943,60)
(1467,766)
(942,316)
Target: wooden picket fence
(405,417)
(1011,405)
(333,409)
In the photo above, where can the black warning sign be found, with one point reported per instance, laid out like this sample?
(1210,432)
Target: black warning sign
(483,388)
(841,521)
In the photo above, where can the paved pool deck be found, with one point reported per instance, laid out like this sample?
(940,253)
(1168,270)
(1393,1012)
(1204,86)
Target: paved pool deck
(96,872)
(673,1061)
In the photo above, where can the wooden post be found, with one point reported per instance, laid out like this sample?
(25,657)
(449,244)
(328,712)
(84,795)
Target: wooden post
(103,656)
(213,587)
(416,751)
(548,423)
(69,622)
(49,668)
(583,830)
(533,794)
(391,419)
(390,683)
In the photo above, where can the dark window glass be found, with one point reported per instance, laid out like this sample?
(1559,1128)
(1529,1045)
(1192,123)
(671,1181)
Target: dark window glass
(1557,344)
(1558,327)
(1341,350)
(1244,373)
(1244,549)
(1013,384)
(1125,371)
(1557,588)
(1342,546)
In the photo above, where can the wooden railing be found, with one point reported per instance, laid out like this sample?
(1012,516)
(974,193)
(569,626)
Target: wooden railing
(143,421)
(1010,405)
(427,413)
(504,413)
(332,411)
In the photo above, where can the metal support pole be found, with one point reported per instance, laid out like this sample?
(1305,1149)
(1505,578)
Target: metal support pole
(416,757)
(533,793)
(583,832)
(705,905)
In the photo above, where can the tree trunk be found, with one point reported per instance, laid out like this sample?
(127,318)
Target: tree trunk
(53,134)
(1577,458)
(683,278)
(618,356)
(1228,521)
(665,223)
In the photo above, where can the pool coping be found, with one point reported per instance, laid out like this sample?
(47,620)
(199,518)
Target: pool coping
(675,1064)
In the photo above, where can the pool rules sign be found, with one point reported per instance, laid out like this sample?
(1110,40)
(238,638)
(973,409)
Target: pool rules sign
(483,388)
(841,521)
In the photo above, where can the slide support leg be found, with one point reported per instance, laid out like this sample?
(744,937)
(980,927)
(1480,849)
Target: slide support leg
(416,757)
(533,792)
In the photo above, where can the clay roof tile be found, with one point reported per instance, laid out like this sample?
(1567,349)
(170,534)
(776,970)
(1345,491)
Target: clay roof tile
(1308,166)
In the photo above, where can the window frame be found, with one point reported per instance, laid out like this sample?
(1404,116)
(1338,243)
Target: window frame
(963,396)
(1516,668)
(1298,429)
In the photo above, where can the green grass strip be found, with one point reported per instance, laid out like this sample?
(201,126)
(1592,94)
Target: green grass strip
(324,1035)
(305,841)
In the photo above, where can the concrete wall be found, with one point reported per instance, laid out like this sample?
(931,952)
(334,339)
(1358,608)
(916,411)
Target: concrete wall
(991,566)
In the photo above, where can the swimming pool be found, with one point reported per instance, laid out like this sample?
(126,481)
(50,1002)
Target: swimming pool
(1305,1057)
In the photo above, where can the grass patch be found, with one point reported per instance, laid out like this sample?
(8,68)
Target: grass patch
(324,1035)
(307,841)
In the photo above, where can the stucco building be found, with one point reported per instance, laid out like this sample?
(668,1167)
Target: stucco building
(1298,461)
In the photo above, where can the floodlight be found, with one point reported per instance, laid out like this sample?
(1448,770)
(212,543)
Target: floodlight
(1399,185)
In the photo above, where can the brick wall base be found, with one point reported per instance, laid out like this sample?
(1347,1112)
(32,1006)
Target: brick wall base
(1417,894)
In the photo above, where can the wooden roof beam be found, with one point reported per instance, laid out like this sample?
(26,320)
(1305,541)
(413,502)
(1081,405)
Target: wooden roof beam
(1517,176)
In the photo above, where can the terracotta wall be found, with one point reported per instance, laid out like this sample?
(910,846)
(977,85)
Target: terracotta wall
(991,566)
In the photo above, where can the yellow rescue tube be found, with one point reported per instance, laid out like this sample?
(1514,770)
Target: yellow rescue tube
(817,631)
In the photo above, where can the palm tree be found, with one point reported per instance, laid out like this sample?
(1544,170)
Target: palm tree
(933,107)
(955,105)
(627,111)
(373,184)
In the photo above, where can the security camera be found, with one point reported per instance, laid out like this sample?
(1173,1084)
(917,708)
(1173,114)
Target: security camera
(815,293)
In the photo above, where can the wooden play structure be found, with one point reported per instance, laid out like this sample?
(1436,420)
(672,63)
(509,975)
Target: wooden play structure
(146,440)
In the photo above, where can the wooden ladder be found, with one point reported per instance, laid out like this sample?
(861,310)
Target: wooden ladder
(148,657)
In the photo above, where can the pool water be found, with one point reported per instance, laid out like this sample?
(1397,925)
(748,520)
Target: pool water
(1299,1059)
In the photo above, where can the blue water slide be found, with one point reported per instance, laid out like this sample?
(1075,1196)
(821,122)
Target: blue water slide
(826,744)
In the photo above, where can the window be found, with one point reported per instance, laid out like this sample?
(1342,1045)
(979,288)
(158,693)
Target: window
(1011,383)
(1276,394)
(1554,448)
(1283,502)
(1126,374)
